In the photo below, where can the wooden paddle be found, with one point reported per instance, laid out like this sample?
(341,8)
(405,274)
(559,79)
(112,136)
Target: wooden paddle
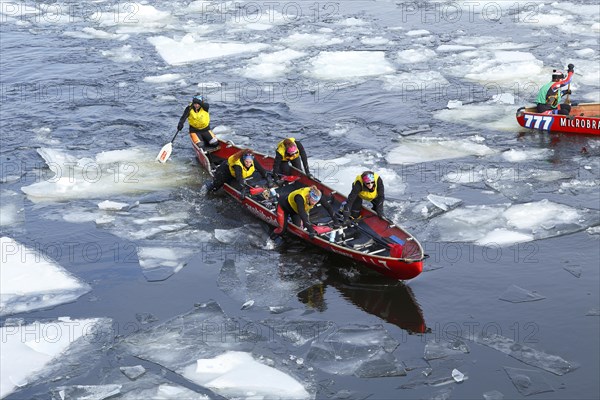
(165,152)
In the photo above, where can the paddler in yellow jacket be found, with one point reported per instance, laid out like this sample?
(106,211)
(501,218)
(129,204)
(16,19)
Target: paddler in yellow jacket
(290,151)
(239,166)
(199,121)
(367,186)
(297,205)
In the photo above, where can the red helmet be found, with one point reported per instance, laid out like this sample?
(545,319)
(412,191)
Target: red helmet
(368,177)
(291,150)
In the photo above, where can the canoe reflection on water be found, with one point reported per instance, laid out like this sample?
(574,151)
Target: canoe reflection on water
(391,301)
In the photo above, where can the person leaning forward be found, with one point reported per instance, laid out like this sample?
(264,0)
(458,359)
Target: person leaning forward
(199,122)
(290,151)
(239,166)
(297,205)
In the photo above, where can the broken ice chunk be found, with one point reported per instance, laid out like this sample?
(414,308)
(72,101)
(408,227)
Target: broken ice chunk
(98,392)
(434,350)
(133,372)
(575,271)
(493,395)
(594,312)
(528,381)
(457,375)
(444,203)
(247,304)
(528,355)
(112,205)
(516,294)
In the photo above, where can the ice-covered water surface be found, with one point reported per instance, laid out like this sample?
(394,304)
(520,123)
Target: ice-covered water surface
(34,351)
(503,224)
(215,351)
(107,174)
(415,91)
(30,279)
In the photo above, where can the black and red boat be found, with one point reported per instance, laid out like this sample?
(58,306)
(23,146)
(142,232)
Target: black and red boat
(368,239)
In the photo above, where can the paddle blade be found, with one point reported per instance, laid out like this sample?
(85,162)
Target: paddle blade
(165,153)
(256,190)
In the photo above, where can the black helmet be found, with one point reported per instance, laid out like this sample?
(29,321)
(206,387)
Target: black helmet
(557,75)
(198,99)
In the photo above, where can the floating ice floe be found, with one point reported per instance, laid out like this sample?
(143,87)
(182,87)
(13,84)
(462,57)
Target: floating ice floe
(159,263)
(176,52)
(124,54)
(91,33)
(594,312)
(478,116)
(457,375)
(310,40)
(513,155)
(516,294)
(244,275)
(360,350)
(209,348)
(133,372)
(164,78)
(412,151)
(270,65)
(504,66)
(413,56)
(11,208)
(441,372)
(109,205)
(247,304)
(147,19)
(442,349)
(512,182)
(153,225)
(110,173)
(298,332)
(30,280)
(28,350)
(235,374)
(574,270)
(503,224)
(528,381)
(454,104)
(528,355)
(444,203)
(332,65)
(493,395)
(98,392)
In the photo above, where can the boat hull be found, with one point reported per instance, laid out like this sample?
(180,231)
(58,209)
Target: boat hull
(408,266)
(584,119)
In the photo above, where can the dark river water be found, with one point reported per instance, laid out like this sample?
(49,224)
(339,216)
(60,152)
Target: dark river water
(424,92)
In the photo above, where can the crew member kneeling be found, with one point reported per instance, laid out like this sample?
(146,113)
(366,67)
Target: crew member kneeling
(367,186)
(297,205)
(239,166)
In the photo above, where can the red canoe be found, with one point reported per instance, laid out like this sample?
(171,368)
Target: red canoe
(369,240)
(584,119)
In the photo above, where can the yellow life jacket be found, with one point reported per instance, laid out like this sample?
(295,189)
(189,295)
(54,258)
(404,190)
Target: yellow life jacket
(283,154)
(366,194)
(304,192)
(246,173)
(198,119)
